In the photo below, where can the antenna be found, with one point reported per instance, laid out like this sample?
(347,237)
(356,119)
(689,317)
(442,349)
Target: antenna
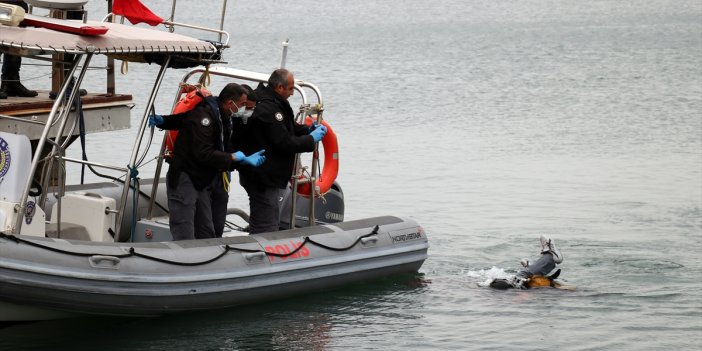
(285,53)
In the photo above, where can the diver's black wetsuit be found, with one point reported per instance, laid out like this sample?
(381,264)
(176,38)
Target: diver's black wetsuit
(543,266)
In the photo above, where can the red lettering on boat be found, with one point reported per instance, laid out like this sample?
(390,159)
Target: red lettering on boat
(270,249)
(303,252)
(285,249)
(281,250)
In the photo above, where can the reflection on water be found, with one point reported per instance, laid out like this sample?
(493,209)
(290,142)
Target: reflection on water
(309,322)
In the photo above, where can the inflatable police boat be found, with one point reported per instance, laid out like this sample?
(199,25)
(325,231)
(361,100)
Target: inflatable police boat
(69,260)
(105,248)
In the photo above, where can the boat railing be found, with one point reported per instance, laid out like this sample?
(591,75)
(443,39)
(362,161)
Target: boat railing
(49,157)
(21,120)
(171,24)
(298,176)
(135,158)
(59,115)
(64,98)
(63,111)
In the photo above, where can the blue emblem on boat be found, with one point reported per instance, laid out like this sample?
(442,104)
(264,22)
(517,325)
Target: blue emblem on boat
(4,157)
(29,212)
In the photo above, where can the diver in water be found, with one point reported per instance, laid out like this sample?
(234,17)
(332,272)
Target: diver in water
(535,274)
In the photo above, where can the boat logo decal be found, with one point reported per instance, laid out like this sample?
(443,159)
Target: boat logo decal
(286,247)
(205,122)
(400,237)
(4,157)
(335,216)
(29,212)
(279,116)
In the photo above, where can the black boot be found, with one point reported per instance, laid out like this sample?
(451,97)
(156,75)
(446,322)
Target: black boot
(15,88)
(3,95)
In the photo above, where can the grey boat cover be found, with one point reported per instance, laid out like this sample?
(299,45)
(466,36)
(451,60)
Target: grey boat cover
(124,42)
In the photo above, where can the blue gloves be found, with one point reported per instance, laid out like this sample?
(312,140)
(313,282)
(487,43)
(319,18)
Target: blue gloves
(319,133)
(254,160)
(155,120)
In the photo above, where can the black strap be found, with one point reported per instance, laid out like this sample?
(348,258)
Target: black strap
(226,248)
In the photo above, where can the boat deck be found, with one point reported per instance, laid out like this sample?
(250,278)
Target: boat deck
(102,113)
(19,106)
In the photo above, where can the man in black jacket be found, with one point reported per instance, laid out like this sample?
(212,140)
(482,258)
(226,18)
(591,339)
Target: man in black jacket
(272,127)
(220,194)
(200,156)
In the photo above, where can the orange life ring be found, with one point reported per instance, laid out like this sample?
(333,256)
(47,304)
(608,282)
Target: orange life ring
(331,162)
(192,98)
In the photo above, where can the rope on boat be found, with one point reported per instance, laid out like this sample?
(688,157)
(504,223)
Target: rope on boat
(205,79)
(134,177)
(227,248)
(81,133)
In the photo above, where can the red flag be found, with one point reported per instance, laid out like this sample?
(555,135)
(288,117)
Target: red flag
(135,12)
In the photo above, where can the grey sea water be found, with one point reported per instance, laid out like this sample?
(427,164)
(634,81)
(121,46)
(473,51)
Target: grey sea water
(490,122)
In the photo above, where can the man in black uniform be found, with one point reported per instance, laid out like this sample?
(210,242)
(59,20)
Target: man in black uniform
(237,126)
(200,157)
(240,120)
(272,127)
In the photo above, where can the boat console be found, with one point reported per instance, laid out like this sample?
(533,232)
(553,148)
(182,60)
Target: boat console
(15,161)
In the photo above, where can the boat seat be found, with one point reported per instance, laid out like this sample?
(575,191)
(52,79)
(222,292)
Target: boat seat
(91,210)
(71,231)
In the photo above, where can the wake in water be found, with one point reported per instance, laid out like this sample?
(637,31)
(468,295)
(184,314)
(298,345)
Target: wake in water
(487,276)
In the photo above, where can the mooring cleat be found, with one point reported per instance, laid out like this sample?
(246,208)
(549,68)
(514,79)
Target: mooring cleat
(549,246)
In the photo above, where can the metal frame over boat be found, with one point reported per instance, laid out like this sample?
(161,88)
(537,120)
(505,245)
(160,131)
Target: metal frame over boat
(74,251)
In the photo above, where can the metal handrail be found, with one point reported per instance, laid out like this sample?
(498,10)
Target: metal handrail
(304,110)
(137,144)
(170,23)
(18,119)
(160,159)
(59,147)
(90,163)
(205,29)
(42,140)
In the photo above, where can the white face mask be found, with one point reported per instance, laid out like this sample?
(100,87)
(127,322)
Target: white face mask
(239,113)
